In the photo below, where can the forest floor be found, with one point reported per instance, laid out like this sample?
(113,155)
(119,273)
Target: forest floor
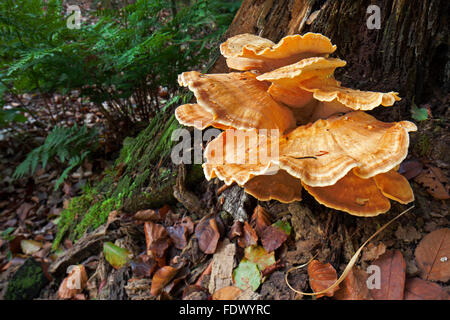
(197,253)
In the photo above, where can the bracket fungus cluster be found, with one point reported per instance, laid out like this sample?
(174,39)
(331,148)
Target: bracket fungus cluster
(324,142)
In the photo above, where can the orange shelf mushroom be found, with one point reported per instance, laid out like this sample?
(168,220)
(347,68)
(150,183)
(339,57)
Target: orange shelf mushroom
(235,100)
(345,161)
(250,52)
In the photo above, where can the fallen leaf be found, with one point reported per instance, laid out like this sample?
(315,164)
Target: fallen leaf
(418,289)
(392,276)
(227,293)
(147,215)
(410,169)
(433,255)
(248,237)
(208,235)
(321,277)
(372,252)
(116,256)
(354,286)
(161,278)
(187,223)
(272,238)
(24,209)
(247,275)
(236,230)
(260,256)
(30,246)
(143,266)
(178,234)
(435,182)
(74,283)
(159,248)
(260,220)
(153,232)
(283,226)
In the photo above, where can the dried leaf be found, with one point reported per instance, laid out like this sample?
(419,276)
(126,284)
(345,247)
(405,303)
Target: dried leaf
(260,256)
(208,235)
(153,232)
(392,276)
(248,237)
(236,230)
(161,278)
(322,276)
(373,252)
(435,182)
(227,293)
(178,234)
(30,246)
(418,289)
(260,220)
(410,169)
(143,267)
(283,226)
(147,215)
(247,275)
(433,255)
(74,283)
(354,286)
(187,223)
(116,256)
(272,238)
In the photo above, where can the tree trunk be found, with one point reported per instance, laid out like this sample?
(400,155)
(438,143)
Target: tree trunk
(408,54)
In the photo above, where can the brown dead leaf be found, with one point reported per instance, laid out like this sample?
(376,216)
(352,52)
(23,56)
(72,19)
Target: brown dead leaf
(153,232)
(418,289)
(74,283)
(24,209)
(410,169)
(178,234)
(354,286)
(161,278)
(236,230)
(372,252)
(260,220)
(208,235)
(321,277)
(433,255)
(187,223)
(143,266)
(272,238)
(248,237)
(392,272)
(435,182)
(147,215)
(227,293)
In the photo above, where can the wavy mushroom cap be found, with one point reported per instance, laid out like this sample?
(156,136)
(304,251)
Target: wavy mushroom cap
(251,52)
(318,154)
(339,144)
(234,100)
(279,186)
(363,197)
(330,90)
(292,75)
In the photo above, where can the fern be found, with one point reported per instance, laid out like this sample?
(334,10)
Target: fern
(70,145)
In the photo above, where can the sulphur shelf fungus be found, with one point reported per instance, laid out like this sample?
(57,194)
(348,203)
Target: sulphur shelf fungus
(345,158)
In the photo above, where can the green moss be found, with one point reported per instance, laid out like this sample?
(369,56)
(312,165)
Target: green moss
(27,282)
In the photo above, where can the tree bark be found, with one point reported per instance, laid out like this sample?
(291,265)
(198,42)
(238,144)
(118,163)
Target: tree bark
(408,54)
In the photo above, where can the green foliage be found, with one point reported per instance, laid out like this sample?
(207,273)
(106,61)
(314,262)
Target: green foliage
(120,61)
(419,114)
(69,145)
